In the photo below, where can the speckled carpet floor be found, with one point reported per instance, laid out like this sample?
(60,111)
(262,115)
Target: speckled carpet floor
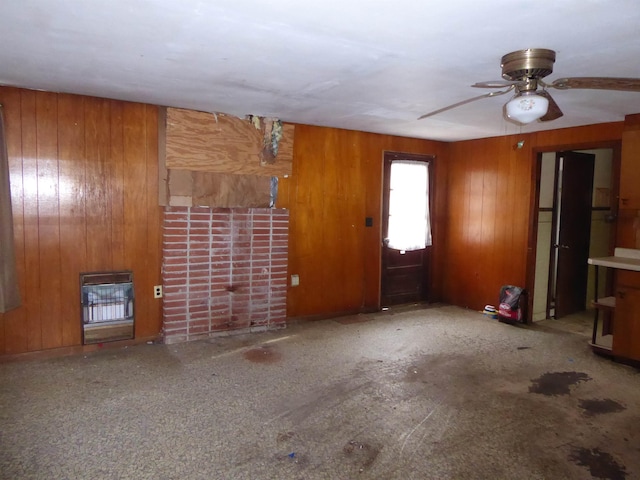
(436,393)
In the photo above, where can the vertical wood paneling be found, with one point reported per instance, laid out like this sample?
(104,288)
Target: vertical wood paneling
(506,216)
(371,162)
(490,167)
(153,255)
(488,205)
(97,199)
(73,240)
(473,221)
(116,193)
(309,245)
(135,192)
(525,162)
(48,219)
(31,294)
(351,204)
(336,183)
(84,179)
(453,234)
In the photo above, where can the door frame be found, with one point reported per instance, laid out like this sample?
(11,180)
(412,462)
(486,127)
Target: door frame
(384,206)
(536,161)
(557,222)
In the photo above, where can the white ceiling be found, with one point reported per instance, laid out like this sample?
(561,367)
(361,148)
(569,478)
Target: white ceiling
(373,65)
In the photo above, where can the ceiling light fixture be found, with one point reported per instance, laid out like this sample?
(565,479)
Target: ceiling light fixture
(526,107)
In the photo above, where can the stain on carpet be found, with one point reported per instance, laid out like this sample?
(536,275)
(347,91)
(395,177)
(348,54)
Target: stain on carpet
(557,383)
(599,406)
(284,436)
(262,355)
(364,454)
(600,464)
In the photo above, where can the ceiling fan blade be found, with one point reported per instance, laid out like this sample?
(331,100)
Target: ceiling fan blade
(497,83)
(597,83)
(553,112)
(464,102)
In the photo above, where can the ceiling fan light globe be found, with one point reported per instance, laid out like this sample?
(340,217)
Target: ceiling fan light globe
(526,108)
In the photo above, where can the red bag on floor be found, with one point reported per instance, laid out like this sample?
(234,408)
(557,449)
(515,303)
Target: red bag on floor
(509,307)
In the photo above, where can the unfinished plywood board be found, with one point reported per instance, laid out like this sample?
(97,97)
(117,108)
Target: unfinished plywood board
(186,188)
(180,188)
(227,190)
(224,144)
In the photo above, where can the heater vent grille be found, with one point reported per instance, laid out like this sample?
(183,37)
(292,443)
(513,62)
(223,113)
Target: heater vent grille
(107,306)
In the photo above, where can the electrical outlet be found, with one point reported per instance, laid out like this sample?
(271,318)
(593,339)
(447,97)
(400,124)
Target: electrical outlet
(295,280)
(157,291)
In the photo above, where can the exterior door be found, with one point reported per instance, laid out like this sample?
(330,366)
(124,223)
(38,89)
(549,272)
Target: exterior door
(405,274)
(572,231)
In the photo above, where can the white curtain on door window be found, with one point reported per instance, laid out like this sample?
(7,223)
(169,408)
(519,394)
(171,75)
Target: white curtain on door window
(409,224)
(9,293)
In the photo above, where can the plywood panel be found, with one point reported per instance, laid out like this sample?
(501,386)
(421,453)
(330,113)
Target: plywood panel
(223,144)
(225,190)
(284,186)
(186,188)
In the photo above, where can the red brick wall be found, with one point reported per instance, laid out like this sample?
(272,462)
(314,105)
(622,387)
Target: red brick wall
(223,269)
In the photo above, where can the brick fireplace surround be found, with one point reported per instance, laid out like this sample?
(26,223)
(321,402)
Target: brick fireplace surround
(223,269)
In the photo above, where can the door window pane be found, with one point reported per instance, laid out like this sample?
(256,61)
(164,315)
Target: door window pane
(409,225)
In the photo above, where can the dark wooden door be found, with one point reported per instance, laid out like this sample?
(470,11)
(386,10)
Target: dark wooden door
(573,214)
(405,274)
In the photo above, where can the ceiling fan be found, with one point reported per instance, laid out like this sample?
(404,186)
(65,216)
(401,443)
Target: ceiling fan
(522,73)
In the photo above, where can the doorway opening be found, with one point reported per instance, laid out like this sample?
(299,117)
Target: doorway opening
(406,228)
(575,214)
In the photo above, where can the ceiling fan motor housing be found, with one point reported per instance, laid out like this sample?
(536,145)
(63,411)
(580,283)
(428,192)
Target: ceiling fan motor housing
(532,63)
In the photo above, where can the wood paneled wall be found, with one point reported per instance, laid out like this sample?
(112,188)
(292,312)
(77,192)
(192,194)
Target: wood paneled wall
(84,184)
(84,178)
(628,227)
(489,193)
(336,183)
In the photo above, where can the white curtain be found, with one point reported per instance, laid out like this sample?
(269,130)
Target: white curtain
(409,223)
(9,294)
